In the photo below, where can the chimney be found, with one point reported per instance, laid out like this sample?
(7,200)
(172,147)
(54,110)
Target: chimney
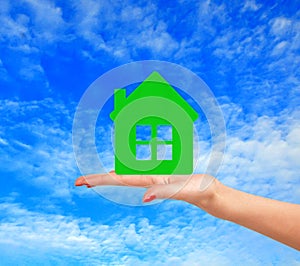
(119,98)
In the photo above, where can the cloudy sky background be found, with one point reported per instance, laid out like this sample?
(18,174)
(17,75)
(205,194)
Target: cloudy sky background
(247,52)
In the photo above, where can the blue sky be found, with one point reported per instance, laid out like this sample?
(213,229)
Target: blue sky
(248,52)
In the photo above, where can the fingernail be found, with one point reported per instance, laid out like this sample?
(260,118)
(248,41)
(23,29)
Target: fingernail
(80,181)
(149,198)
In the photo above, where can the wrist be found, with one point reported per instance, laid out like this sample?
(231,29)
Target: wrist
(213,200)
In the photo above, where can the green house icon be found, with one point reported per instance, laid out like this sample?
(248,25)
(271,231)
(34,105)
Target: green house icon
(153,129)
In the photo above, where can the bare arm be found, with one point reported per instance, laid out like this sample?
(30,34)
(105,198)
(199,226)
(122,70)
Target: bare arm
(275,219)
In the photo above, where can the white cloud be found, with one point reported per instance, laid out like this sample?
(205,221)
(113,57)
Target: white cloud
(119,30)
(281,26)
(124,30)
(3,141)
(280,48)
(234,50)
(47,19)
(3,71)
(157,39)
(40,146)
(89,19)
(103,24)
(22,145)
(10,28)
(27,34)
(260,151)
(262,156)
(251,5)
(183,236)
(47,24)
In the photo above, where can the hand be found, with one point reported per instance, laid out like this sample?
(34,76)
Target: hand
(275,219)
(198,189)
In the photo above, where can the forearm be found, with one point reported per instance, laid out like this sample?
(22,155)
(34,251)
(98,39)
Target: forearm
(275,219)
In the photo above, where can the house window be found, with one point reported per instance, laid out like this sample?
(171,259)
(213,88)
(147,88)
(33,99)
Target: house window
(143,152)
(164,152)
(143,133)
(154,142)
(164,132)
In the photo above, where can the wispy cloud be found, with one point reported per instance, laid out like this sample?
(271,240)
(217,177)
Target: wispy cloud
(248,51)
(186,239)
(28,29)
(144,29)
(36,144)
(262,152)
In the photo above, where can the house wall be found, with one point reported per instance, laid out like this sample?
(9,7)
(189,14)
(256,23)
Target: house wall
(125,161)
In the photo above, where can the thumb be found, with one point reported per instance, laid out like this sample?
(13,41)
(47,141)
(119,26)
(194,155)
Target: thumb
(163,192)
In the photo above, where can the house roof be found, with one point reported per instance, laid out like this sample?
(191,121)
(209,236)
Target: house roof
(153,85)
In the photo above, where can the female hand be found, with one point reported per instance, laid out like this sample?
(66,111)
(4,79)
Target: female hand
(275,219)
(198,189)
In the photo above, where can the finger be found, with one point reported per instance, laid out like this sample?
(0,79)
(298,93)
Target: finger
(188,190)
(148,180)
(120,180)
(164,192)
(80,181)
(97,180)
(113,179)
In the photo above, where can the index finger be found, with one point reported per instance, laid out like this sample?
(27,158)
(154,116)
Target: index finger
(113,179)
